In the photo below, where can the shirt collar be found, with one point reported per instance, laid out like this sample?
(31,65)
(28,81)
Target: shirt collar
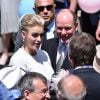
(51,26)
(60,43)
(87,66)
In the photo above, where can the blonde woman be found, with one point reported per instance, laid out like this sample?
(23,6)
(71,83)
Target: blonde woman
(29,57)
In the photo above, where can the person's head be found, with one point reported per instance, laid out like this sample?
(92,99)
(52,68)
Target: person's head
(65,24)
(33,86)
(46,9)
(82,49)
(32,29)
(71,87)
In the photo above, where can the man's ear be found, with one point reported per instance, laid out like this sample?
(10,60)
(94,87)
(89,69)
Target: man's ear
(58,95)
(70,60)
(54,9)
(76,26)
(26,94)
(54,5)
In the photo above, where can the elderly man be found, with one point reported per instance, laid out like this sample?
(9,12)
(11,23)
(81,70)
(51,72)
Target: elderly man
(65,27)
(33,86)
(71,87)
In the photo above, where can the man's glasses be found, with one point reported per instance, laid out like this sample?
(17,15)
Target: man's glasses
(48,7)
(42,92)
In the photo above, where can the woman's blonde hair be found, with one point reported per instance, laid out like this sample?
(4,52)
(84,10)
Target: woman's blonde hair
(30,20)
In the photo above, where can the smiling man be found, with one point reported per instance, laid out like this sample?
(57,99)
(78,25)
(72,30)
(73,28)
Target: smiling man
(57,48)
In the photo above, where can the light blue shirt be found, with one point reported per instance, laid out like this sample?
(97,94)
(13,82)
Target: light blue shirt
(61,48)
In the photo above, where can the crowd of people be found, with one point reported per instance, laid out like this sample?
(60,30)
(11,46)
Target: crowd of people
(51,59)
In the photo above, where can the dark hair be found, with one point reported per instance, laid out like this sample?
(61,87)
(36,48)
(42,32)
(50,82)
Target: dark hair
(82,49)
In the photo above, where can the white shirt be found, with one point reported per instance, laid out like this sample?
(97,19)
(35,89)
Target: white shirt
(39,63)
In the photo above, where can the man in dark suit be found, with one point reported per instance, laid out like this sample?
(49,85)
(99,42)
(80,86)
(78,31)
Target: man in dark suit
(65,28)
(82,49)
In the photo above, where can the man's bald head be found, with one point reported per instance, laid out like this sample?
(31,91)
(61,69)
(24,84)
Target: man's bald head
(65,25)
(72,87)
(66,14)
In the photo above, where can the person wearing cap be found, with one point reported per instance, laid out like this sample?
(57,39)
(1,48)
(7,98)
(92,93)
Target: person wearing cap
(29,57)
(96,62)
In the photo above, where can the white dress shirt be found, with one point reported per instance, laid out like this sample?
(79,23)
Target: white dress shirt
(51,30)
(39,63)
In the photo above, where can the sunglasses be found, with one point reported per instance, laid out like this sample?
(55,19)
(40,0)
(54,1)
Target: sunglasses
(48,7)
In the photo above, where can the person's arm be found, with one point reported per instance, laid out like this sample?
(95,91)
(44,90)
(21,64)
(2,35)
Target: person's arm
(98,30)
(73,5)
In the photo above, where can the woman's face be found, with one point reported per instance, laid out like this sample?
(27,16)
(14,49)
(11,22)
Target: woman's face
(33,39)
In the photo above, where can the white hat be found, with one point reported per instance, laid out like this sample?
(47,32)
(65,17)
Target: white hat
(96,62)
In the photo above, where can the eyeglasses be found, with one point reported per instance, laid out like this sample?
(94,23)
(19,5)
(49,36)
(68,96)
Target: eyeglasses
(48,7)
(42,92)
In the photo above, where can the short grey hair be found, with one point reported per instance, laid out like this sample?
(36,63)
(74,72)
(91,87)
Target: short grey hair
(26,82)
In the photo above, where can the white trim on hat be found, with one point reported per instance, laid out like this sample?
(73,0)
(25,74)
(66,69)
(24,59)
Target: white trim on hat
(96,62)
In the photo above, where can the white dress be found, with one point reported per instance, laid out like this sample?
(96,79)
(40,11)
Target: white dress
(39,63)
(9,16)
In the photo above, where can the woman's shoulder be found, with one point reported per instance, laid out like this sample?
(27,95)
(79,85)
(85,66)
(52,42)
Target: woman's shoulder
(42,53)
(19,55)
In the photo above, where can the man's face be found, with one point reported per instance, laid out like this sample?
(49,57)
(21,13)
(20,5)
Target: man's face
(40,92)
(33,39)
(46,9)
(65,27)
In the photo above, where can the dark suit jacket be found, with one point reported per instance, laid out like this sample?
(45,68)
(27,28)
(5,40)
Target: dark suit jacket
(92,80)
(50,46)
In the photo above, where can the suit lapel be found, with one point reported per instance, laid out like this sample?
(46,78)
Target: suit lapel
(54,53)
(66,64)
